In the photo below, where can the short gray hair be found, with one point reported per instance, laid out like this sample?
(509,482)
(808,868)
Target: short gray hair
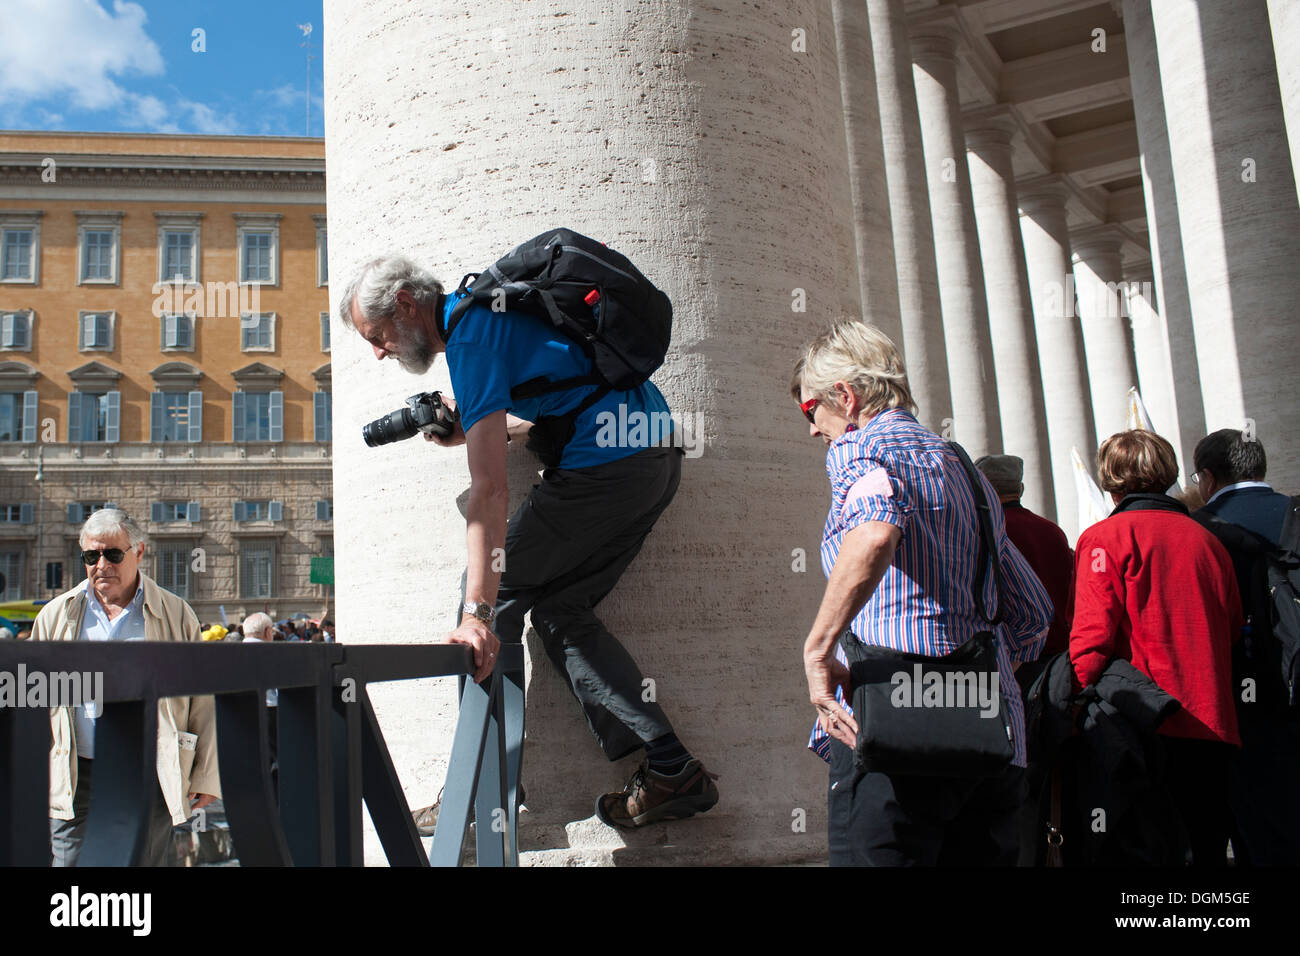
(376,286)
(107,523)
(256,623)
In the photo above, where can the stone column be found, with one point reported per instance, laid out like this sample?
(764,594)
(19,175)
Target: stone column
(961,279)
(1108,340)
(640,127)
(1185,425)
(909,201)
(1151,354)
(1011,312)
(877,275)
(1066,392)
(1284,20)
(1239,217)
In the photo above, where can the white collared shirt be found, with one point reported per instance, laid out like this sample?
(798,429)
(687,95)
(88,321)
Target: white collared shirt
(96,626)
(1241,484)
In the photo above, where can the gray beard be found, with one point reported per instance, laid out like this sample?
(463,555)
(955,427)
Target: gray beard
(417,354)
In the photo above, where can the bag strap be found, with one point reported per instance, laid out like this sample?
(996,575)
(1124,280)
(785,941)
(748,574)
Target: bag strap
(988,549)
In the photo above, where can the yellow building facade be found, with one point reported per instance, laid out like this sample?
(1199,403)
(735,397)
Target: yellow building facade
(164,346)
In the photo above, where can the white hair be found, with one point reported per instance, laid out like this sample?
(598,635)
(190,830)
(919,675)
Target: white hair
(255,624)
(108,523)
(376,286)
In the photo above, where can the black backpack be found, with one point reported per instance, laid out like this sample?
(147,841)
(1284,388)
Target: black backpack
(591,294)
(1270,599)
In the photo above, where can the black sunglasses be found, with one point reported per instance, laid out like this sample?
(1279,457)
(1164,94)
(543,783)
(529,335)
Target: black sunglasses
(114,555)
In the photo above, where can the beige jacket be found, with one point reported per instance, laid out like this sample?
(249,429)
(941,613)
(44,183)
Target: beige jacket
(187,726)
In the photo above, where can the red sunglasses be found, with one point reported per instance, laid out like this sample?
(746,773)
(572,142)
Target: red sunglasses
(808,407)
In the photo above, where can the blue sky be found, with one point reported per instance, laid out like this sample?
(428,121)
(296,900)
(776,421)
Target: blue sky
(114,65)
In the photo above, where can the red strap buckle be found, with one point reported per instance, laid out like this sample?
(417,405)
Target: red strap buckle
(592,297)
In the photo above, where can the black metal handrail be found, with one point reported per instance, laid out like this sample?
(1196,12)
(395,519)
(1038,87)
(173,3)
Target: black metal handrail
(332,755)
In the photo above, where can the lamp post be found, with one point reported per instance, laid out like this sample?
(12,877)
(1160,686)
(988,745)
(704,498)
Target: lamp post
(40,513)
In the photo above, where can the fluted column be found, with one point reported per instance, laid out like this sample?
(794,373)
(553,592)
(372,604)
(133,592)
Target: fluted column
(1067,395)
(1107,338)
(877,275)
(1185,424)
(1151,354)
(961,280)
(1011,311)
(1284,23)
(642,128)
(1239,216)
(909,202)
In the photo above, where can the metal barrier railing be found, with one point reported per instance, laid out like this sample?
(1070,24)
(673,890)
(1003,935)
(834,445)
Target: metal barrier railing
(332,755)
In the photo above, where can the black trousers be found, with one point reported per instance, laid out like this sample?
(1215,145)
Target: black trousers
(883,820)
(1196,772)
(566,547)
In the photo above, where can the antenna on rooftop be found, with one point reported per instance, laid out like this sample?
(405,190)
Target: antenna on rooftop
(306,42)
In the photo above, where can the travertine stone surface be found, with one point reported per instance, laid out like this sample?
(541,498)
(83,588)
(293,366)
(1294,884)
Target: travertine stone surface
(909,202)
(961,278)
(1107,334)
(694,139)
(1169,325)
(1238,215)
(1066,393)
(1011,312)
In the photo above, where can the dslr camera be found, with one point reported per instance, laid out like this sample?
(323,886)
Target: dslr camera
(424,412)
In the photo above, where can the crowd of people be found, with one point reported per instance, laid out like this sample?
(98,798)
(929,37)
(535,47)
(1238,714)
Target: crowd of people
(1150,721)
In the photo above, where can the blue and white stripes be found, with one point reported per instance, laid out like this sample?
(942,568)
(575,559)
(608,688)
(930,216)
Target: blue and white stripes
(896,471)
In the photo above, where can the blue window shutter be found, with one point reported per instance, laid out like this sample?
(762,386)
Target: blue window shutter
(74,416)
(156,413)
(321,513)
(277,416)
(240,511)
(29,415)
(25,514)
(186,335)
(192,511)
(320,410)
(238,432)
(276,510)
(156,511)
(7,326)
(109,504)
(196,416)
(162,338)
(113,429)
(74,513)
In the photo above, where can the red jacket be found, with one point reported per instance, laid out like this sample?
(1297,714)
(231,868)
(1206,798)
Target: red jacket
(1155,588)
(1047,550)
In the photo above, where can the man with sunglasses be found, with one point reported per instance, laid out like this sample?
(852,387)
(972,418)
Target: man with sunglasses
(119,602)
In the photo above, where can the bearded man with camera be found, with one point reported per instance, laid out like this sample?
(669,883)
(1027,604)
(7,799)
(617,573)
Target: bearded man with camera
(517,373)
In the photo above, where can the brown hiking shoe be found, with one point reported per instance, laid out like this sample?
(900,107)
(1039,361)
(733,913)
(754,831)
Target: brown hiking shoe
(650,797)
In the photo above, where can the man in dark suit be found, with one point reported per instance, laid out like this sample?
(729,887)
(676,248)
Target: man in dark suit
(1265,778)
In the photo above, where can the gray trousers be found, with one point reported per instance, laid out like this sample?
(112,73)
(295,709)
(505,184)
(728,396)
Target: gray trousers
(566,547)
(67,836)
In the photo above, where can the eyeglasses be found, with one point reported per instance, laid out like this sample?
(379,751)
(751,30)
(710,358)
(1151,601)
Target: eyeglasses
(114,555)
(808,407)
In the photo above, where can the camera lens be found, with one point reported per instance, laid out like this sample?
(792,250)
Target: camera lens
(396,426)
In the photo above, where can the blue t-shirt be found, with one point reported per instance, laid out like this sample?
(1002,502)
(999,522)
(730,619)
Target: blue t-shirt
(491,352)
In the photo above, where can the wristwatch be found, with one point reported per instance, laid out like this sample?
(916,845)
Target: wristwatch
(484,612)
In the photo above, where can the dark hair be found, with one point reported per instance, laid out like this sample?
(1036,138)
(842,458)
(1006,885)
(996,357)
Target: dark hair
(1136,461)
(1230,457)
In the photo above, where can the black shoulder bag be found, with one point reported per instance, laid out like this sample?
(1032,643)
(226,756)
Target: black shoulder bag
(935,716)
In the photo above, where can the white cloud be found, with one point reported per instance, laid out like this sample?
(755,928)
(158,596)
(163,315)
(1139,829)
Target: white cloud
(61,50)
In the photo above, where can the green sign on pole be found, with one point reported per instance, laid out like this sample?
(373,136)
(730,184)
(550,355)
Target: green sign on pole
(322,570)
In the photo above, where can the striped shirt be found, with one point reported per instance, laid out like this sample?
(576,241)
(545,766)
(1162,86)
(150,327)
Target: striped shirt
(896,471)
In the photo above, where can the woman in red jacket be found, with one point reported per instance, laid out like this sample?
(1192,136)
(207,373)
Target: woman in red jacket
(1155,588)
